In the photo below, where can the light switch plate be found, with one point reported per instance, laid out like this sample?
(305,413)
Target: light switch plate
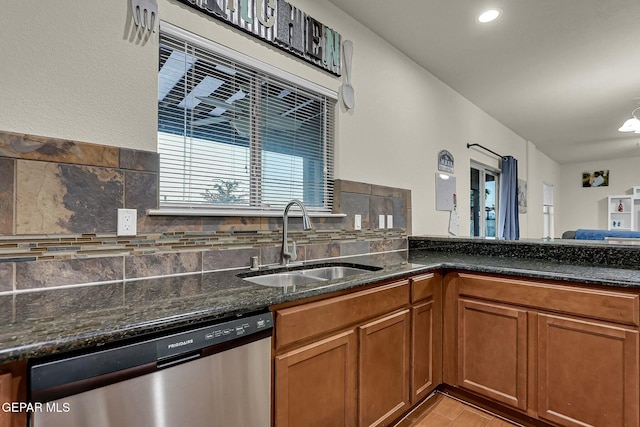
(357,222)
(389,221)
(380,221)
(127,222)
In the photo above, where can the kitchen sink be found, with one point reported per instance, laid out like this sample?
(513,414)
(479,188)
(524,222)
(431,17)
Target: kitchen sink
(334,272)
(281,280)
(306,275)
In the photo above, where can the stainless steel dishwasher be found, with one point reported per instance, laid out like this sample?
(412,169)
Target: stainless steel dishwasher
(212,376)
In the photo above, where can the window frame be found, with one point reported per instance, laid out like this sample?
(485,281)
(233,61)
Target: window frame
(483,171)
(262,67)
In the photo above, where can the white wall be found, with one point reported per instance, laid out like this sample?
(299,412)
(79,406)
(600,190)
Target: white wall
(84,73)
(541,169)
(70,70)
(587,207)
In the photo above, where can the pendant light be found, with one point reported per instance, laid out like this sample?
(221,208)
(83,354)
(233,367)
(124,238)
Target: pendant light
(632,124)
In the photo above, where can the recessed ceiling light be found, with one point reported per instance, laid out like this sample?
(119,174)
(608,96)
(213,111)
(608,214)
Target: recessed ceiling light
(489,15)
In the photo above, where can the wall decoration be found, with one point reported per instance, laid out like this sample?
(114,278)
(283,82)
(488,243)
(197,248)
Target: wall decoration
(445,191)
(348,96)
(145,14)
(445,161)
(522,196)
(598,178)
(280,24)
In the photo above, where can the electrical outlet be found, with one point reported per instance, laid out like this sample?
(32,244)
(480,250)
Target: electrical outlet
(380,221)
(127,222)
(357,222)
(389,221)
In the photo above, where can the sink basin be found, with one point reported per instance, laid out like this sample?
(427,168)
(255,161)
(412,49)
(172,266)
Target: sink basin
(305,275)
(331,273)
(281,280)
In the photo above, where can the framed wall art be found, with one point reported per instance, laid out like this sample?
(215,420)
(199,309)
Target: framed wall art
(597,178)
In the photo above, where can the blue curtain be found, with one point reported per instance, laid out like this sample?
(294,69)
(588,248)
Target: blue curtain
(508,222)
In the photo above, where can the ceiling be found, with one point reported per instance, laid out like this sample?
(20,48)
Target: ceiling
(562,74)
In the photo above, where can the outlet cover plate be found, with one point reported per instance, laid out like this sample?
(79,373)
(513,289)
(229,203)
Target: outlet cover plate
(127,222)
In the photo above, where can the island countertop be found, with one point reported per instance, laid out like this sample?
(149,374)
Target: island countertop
(162,304)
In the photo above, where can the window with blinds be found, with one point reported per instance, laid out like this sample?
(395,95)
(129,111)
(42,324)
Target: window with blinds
(234,136)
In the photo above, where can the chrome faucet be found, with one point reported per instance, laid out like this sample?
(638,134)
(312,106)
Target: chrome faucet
(306,225)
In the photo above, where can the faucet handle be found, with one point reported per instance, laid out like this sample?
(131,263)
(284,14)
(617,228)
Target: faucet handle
(294,251)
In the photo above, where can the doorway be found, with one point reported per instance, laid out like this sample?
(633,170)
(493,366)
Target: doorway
(484,201)
(547,211)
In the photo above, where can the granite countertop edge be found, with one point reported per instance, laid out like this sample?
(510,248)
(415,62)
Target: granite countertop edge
(19,343)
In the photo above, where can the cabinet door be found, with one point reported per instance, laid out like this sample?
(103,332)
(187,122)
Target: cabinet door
(383,371)
(315,385)
(492,351)
(587,373)
(425,350)
(5,397)
(426,335)
(13,389)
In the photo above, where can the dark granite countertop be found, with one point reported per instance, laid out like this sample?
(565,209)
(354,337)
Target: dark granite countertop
(159,305)
(530,268)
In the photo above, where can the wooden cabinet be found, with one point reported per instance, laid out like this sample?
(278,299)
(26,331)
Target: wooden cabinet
(492,351)
(6,396)
(587,373)
(426,335)
(560,353)
(295,325)
(344,361)
(12,389)
(564,354)
(316,385)
(383,369)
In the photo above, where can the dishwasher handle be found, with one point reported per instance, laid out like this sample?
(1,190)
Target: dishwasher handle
(167,363)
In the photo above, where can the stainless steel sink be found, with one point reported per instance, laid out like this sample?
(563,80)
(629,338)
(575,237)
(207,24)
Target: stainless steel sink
(281,280)
(335,272)
(305,276)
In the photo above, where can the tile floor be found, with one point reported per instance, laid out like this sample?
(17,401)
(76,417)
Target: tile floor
(443,411)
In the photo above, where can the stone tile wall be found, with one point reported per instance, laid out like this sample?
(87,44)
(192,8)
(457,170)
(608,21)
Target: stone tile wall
(58,209)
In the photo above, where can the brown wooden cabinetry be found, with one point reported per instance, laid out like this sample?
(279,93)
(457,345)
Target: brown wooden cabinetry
(383,369)
(345,360)
(587,373)
(12,389)
(426,335)
(315,385)
(564,354)
(492,351)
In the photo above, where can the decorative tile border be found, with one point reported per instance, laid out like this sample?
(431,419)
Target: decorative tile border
(82,246)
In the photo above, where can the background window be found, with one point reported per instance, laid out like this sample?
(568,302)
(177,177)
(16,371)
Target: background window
(233,136)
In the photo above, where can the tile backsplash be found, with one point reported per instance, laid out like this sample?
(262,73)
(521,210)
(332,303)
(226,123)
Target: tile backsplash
(58,208)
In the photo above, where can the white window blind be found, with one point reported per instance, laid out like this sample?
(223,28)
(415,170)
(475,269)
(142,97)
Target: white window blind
(233,136)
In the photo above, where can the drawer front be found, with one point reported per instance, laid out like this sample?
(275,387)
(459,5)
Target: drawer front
(424,287)
(309,320)
(613,306)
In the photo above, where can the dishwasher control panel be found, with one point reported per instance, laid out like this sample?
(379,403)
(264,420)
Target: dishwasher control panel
(211,335)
